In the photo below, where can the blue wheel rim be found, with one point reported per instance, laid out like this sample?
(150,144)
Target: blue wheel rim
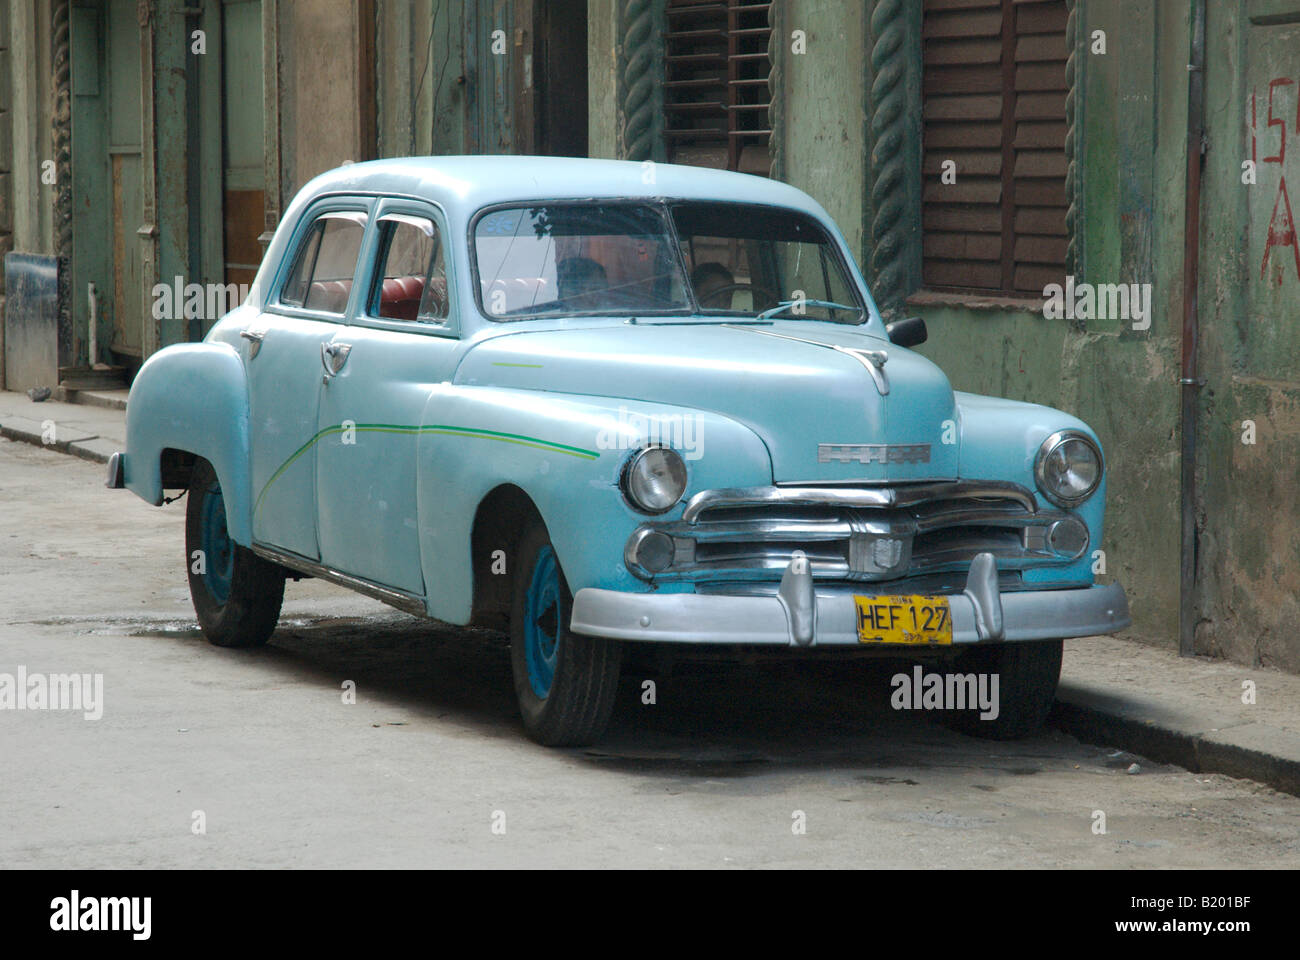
(543,615)
(214,541)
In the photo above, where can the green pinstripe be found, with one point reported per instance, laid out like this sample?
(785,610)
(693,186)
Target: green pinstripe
(440,428)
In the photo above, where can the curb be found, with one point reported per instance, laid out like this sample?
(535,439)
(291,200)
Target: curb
(90,397)
(87,448)
(1196,751)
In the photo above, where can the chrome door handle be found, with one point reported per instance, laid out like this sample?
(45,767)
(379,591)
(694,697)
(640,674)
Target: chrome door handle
(254,338)
(333,356)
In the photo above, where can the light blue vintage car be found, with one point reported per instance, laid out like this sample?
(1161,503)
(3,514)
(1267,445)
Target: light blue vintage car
(593,402)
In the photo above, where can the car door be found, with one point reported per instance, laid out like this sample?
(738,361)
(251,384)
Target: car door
(284,357)
(400,343)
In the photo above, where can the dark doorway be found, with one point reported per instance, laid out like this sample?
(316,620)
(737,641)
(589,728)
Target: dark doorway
(560,76)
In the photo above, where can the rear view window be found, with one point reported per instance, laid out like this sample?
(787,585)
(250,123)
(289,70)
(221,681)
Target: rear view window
(326,263)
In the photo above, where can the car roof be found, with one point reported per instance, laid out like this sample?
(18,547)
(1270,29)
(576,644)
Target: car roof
(464,184)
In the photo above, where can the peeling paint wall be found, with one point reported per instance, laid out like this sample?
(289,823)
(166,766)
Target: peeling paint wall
(318,98)
(1249,558)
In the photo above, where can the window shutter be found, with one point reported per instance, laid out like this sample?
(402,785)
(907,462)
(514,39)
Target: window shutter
(994,103)
(715,86)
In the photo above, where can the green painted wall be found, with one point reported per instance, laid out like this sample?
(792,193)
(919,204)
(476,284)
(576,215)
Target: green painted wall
(1250,336)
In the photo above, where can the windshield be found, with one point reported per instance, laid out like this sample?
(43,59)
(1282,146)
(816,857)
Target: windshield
(646,259)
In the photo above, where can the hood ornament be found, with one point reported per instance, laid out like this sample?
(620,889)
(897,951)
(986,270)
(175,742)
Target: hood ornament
(874,361)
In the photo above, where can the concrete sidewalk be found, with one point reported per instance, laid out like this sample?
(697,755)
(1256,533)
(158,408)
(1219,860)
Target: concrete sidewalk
(1185,711)
(1137,698)
(90,430)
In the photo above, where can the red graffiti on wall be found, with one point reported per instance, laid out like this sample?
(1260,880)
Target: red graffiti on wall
(1281,225)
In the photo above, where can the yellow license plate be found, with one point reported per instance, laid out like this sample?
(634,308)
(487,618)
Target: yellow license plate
(916,620)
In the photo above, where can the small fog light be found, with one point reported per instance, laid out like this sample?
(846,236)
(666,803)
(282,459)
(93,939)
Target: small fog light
(655,552)
(1068,538)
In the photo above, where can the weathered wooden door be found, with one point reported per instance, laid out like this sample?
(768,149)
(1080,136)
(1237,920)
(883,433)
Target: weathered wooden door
(242,137)
(530,61)
(108,206)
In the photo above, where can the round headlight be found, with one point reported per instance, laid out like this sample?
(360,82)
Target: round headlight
(654,479)
(1068,468)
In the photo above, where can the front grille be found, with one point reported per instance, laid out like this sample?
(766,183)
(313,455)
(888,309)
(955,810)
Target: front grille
(853,534)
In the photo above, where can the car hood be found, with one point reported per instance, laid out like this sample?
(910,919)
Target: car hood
(816,408)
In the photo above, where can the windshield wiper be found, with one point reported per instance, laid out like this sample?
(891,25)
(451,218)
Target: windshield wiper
(787,304)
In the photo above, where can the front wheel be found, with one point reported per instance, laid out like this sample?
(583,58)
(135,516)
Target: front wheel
(237,595)
(565,683)
(1027,675)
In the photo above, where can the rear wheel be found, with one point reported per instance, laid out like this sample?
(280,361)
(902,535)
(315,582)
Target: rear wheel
(565,683)
(1027,676)
(237,595)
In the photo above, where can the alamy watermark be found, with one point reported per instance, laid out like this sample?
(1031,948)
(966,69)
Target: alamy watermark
(946,691)
(190,301)
(75,913)
(54,691)
(681,431)
(1098,301)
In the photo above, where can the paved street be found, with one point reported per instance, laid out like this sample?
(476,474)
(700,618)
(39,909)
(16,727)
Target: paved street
(431,755)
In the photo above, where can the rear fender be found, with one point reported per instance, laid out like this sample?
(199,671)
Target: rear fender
(192,397)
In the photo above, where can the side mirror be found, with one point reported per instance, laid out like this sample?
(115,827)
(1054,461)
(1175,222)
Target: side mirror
(907,333)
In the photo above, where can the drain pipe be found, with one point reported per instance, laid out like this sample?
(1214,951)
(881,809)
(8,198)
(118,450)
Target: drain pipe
(1190,383)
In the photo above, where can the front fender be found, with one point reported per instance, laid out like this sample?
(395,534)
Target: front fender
(1000,440)
(566,452)
(192,397)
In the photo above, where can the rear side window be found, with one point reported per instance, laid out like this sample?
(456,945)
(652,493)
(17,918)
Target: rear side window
(326,263)
(412,281)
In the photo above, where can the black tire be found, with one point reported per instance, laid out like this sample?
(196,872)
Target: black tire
(583,687)
(1027,677)
(240,607)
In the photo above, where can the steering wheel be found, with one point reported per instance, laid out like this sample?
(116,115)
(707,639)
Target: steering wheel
(707,299)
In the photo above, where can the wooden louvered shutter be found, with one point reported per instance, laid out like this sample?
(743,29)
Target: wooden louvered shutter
(715,85)
(994,104)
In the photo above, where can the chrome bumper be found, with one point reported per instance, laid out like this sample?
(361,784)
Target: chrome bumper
(801,616)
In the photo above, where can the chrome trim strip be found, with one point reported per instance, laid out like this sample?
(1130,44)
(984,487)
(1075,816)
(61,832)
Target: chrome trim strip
(866,497)
(763,560)
(406,602)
